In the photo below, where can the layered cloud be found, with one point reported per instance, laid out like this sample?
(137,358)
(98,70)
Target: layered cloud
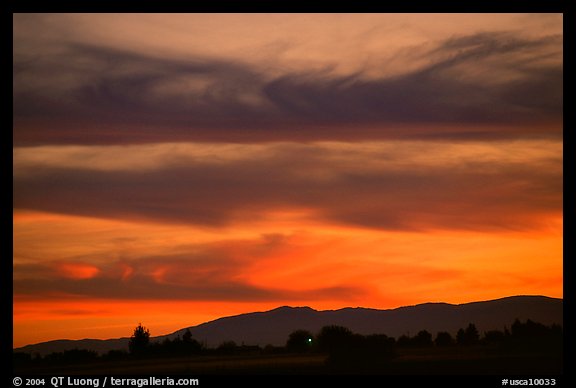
(169,279)
(211,271)
(227,163)
(86,94)
(397,185)
(325,266)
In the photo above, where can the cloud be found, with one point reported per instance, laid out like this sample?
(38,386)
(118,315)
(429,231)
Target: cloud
(78,271)
(212,272)
(442,91)
(398,185)
(95,94)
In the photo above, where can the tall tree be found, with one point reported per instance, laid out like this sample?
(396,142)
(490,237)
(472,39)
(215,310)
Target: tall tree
(468,336)
(140,340)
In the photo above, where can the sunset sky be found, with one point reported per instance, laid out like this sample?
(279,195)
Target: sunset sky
(171,169)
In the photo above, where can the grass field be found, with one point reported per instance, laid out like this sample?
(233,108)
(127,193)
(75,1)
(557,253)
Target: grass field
(449,361)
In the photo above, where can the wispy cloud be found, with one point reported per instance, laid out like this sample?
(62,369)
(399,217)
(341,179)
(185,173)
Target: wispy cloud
(485,78)
(203,272)
(417,186)
(220,163)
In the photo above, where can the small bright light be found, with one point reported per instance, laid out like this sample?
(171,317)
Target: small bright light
(309,340)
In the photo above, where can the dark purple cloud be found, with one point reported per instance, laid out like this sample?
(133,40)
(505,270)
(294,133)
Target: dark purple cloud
(89,94)
(475,194)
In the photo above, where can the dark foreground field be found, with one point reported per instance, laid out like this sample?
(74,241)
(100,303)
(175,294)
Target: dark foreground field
(453,361)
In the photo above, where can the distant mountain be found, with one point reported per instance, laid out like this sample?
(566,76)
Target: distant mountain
(274,326)
(99,346)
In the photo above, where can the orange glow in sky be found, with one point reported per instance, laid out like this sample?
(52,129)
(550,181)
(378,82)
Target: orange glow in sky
(173,169)
(324,267)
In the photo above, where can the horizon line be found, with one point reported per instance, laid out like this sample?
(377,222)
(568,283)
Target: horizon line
(296,307)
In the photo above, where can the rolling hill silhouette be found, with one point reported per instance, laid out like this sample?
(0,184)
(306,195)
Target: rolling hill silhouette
(274,326)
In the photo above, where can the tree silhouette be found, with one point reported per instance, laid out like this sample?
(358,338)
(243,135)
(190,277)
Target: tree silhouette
(495,337)
(140,340)
(334,337)
(535,337)
(187,337)
(299,341)
(349,352)
(346,352)
(404,341)
(472,335)
(72,356)
(422,339)
(469,336)
(227,347)
(189,345)
(443,338)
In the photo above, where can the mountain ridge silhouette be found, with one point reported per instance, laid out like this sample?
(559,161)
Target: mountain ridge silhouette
(274,326)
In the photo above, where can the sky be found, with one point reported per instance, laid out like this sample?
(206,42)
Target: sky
(170,169)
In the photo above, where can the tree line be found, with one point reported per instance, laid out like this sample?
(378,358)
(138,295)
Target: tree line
(342,346)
